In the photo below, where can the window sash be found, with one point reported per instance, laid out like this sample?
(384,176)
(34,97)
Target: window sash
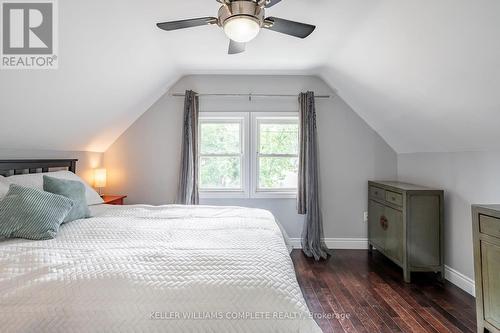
(270,118)
(223,189)
(219,120)
(226,118)
(276,120)
(259,188)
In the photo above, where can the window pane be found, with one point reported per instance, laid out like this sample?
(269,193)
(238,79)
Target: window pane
(279,138)
(220,173)
(220,138)
(278,172)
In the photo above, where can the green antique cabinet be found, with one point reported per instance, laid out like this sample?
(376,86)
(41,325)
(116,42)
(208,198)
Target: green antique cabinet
(405,223)
(486,233)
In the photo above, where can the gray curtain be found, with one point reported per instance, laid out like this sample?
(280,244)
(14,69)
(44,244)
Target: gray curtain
(187,193)
(308,202)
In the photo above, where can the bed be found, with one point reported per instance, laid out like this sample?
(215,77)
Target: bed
(153,269)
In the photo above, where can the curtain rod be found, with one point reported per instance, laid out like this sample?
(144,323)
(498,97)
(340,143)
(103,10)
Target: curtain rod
(250,95)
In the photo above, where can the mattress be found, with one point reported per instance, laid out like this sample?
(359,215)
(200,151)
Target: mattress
(154,269)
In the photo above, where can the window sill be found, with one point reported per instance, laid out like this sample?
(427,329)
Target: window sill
(244,195)
(274,195)
(223,195)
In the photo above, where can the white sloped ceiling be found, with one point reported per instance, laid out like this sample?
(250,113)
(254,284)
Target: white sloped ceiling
(424,74)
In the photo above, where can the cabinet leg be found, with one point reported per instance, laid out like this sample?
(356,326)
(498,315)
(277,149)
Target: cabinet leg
(370,248)
(441,277)
(407,276)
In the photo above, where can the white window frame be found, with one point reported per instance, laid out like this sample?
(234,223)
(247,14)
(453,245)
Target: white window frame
(249,155)
(228,117)
(268,117)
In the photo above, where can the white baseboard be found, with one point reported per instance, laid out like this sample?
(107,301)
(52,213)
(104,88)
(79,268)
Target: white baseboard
(338,243)
(460,280)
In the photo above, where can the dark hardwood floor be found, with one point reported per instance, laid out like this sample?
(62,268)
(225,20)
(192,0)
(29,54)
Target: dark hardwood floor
(355,291)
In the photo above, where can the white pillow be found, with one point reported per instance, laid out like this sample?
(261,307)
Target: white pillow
(35,180)
(4,188)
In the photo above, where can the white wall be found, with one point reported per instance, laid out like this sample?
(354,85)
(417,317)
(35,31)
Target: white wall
(144,162)
(86,160)
(467,178)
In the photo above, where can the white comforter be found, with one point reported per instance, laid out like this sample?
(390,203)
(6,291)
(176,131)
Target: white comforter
(154,269)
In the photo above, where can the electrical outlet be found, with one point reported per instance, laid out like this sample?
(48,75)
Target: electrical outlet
(365,217)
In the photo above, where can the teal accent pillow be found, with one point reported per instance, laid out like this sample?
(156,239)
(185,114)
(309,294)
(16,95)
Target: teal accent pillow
(70,189)
(32,214)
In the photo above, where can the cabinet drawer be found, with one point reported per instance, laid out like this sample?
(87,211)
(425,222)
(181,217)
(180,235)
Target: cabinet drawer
(489,225)
(394,198)
(377,192)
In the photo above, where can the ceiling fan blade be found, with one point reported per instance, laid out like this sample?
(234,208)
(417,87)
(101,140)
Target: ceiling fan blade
(182,24)
(271,3)
(292,28)
(235,47)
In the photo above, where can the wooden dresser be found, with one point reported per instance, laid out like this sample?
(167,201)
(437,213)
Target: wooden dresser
(405,223)
(486,231)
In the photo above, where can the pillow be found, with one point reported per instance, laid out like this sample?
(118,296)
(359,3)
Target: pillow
(35,180)
(32,214)
(70,189)
(4,188)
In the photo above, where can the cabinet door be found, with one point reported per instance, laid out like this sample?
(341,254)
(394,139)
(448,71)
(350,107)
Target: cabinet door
(490,257)
(394,234)
(375,229)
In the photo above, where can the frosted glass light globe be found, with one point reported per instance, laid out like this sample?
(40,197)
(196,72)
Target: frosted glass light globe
(241,29)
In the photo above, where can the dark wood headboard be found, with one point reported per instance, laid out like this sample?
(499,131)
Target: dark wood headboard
(17,167)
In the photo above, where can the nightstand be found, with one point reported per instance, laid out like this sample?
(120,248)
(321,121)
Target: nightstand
(113,199)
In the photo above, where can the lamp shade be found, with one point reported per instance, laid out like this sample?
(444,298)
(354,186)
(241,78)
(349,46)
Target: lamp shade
(241,28)
(100,177)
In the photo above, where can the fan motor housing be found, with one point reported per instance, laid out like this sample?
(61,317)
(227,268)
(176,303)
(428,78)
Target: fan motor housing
(241,8)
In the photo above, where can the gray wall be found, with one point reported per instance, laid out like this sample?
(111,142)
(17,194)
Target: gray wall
(86,160)
(467,178)
(144,162)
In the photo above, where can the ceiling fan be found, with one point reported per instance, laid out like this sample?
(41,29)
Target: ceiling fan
(242,21)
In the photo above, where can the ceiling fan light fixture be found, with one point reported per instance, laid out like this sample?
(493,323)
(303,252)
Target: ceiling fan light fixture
(241,28)
(242,21)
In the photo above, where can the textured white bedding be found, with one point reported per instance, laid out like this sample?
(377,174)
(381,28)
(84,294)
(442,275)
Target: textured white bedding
(152,269)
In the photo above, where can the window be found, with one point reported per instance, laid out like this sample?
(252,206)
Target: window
(277,147)
(227,140)
(222,153)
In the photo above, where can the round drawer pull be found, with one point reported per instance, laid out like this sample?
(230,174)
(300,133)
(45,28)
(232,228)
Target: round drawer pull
(384,222)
